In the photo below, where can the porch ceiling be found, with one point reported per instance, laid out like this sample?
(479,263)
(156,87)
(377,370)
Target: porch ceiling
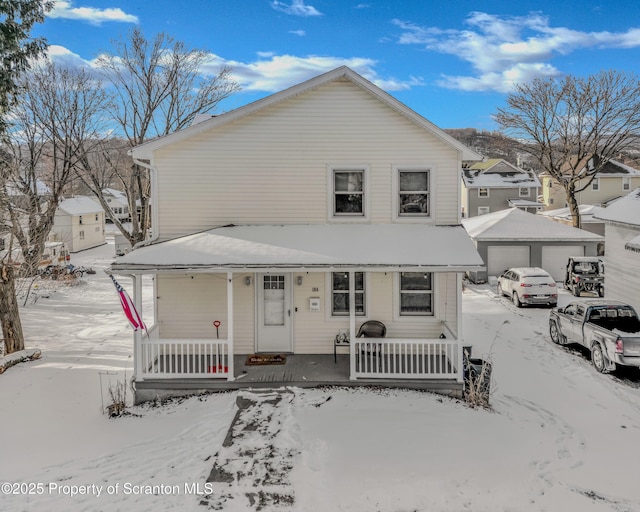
(310,247)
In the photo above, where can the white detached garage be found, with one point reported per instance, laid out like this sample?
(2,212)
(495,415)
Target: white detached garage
(515,238)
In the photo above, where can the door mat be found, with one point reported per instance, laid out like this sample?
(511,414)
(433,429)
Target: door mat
(256,359)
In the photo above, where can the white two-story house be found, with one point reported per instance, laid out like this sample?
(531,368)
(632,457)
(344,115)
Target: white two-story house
(309,213)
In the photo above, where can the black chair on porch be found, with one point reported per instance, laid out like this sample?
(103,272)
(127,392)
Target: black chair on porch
(372,329)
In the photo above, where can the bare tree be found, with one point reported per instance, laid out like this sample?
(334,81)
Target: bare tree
(55,124)
(160,85)
(575,126)
(17,18)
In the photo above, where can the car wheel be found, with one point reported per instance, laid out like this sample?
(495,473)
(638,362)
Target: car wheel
(554,333)
(516,300)
(500,291)
(597,358)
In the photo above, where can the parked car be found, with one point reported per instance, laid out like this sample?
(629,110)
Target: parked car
(585,274)
(609,329)
(528,285)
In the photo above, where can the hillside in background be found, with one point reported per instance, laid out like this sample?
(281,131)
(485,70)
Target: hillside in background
(496,145)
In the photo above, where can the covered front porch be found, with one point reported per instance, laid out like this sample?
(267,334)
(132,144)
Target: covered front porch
(299,370)
(226,274)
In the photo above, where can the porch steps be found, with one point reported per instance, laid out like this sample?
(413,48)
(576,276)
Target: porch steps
(257,456)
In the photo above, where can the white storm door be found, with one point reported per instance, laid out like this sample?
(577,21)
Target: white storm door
(274,313)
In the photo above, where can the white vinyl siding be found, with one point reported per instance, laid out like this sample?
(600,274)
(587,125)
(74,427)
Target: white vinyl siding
(271,167)
(622,280)
(188,305)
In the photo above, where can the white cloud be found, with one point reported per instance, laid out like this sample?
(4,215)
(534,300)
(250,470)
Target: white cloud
(300,33)
(269,72)
(504,50)
(272,73)
(93,15)
(297,8)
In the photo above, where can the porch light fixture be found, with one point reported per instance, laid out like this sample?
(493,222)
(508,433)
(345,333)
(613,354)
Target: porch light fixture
(299,280)
(247,280)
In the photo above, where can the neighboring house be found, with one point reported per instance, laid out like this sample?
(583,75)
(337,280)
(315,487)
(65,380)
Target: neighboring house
(588,217)
(296,218)
(79,223)
(513,238)
(494,185)
(622,235)
(614,180)
(118,204)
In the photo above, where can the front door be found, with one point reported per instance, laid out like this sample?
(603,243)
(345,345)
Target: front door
(274,313)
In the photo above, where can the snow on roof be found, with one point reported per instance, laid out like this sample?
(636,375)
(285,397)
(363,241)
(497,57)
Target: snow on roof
(625,210)
(633,244)
(308,246)
(475,179)
(115,193)
(80,205)
(515,224)
(587,213)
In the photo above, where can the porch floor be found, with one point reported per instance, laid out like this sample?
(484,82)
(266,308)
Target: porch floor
(300,370)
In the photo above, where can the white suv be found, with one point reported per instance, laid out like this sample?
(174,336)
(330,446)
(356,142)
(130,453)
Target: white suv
(528,285)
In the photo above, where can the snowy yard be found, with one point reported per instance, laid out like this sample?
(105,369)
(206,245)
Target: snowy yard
(560,436)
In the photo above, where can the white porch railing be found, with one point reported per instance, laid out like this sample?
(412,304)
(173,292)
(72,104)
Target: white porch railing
(205,359)
(385,358)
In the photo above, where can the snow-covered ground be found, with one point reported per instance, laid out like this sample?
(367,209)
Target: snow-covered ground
(560,436)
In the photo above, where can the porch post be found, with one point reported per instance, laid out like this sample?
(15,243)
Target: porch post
(230,375)
(352,324)
(137,335)
(459,326)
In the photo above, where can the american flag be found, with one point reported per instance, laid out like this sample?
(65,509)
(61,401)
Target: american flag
(128,307)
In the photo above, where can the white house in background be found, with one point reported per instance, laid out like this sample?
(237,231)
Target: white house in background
(296,218)
(495,184)
(79,223)
(118,204)
(622,239)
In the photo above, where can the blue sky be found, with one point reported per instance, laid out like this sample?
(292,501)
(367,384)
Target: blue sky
(453,62)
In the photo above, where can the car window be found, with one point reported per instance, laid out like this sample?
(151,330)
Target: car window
(580,310)
(570,310)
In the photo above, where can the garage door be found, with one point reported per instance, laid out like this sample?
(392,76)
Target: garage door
(554,258)
(501,258)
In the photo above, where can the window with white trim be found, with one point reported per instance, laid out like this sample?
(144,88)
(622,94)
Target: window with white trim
(348,193)
(626,183)
(81,235)
(416,293)
(483,210)
(595,184)
(413,193)
(340,294)
(523,191)
(483,192)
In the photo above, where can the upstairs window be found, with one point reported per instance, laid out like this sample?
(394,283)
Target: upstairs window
(348,193)
(626,183)
(483,192)
(413,192)
(595,184)
(340,293)
(523,191)
(416,293)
